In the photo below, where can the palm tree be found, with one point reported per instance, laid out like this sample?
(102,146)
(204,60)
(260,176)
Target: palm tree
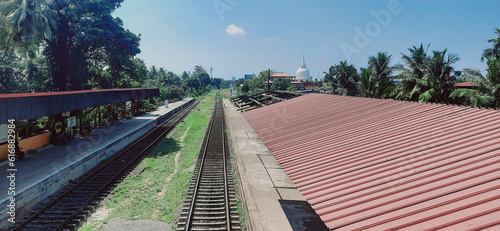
(494,52)
(437,80)
(429,79)
(343,78)
(488,92)
(379,66)
(416,61)
(367,85)
(32,21)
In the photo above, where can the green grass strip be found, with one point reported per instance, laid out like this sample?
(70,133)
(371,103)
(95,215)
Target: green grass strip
(154,190)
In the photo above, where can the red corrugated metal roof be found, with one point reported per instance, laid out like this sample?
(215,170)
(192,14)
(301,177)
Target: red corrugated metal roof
(465,84)
(282,75)
(370,164)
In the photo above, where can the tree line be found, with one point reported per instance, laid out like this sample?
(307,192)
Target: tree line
(62,45)
(425,77)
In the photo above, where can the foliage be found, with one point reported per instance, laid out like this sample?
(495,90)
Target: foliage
(430,79)
(439,77)
(253,83)
(11,79)
(493,52)
(25,24)
(407,78)
(487,94)
(343,78)
(367,85)
(381,70)
(281,84)
(92,46)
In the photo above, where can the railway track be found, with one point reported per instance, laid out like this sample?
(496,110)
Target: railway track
(211,200)
(68,208)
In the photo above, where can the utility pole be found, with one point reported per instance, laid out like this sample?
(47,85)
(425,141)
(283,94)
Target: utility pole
(268,78)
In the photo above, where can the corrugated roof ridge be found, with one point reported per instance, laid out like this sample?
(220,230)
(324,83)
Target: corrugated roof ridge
(426,176)
(378,122)
(322,118)
(421,210)
(445,144)
(338,148)
(406,116)
(379,212)
(446,171)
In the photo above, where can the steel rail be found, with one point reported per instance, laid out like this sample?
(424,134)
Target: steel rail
(198,177)
(226,187)
(218,114)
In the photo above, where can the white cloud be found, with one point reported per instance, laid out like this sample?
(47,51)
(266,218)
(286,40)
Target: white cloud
(235,31)
(270,39)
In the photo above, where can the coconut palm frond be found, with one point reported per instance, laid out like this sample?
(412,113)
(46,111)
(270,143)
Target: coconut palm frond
(481,81)
(464,93)
(427,95)
(484,100)
(472,71)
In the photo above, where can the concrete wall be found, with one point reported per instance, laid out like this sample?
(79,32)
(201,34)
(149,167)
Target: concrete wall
(30,143)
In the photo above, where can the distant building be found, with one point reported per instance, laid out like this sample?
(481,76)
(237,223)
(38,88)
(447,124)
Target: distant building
(247,76)
(283,75)
(234,79)
(303,73)
(301,81)
(470,85)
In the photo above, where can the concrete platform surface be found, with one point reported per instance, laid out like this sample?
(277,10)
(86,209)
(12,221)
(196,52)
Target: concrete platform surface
(271,200)
(43,173)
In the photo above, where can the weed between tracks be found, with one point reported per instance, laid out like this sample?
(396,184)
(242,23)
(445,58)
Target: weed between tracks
(155,190)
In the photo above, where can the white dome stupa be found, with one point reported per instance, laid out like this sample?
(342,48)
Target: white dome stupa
(303,73)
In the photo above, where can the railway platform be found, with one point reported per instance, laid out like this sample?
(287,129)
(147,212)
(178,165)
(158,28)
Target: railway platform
(41,174)
(271,200)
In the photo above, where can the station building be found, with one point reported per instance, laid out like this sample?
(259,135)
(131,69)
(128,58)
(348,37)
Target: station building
(63,107)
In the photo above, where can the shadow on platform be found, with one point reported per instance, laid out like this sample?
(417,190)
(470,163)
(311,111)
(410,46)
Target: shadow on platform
(301,216)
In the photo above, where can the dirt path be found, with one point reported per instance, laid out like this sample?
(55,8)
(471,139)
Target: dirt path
(102,212)
(176,169)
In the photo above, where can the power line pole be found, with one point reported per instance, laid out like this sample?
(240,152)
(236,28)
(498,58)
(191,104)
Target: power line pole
(268,78)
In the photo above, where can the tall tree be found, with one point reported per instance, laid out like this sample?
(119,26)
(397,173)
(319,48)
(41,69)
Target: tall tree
(31,22)
(184,75)
(91,45)
(172,79)
(381,70)
(438,79)
(24,25)
(202,75)
(343,78)
(416,62)
(367,85)
(493,52)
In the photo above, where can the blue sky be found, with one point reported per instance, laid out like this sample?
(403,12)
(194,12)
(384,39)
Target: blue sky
(238,37)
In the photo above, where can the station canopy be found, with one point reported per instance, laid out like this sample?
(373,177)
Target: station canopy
(22,106)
